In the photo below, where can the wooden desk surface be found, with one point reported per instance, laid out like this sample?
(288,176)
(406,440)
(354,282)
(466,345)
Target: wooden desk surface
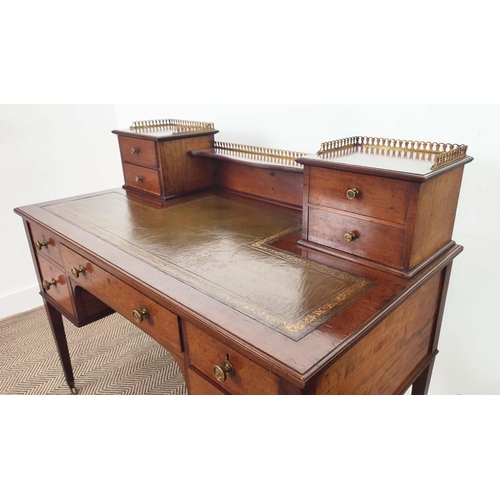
(233,265)
(223,248)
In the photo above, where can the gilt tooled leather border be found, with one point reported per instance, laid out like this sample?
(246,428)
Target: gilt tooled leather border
(354,286)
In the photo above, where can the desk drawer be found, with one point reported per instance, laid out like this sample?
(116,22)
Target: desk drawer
(144,179)
(138,151)
(380,198)
(205,353)
(377,242)
(198,386)
(55,285)
(45,243)
(155,320)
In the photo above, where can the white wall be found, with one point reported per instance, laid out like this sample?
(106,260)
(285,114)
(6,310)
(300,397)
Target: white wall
(49,152)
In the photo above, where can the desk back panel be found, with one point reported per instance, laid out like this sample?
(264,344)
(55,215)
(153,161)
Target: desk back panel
(277,186)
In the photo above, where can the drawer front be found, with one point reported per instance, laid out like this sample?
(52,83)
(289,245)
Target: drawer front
(138,151)
(158,322)
(376,242)
(205,353)
(55,285)
(198,386)
(45,243)
(380,198)
(142,178)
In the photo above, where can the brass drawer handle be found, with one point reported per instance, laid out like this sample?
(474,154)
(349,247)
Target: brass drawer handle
(39,245)
(140,316)
(139,178)
(350,237)
(221,372)
(135,151)
(47,285)
(352,194)
(76,272)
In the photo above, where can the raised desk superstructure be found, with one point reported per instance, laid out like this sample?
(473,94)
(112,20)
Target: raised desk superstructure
(258,274)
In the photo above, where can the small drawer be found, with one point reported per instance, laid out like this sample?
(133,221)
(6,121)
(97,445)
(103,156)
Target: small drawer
(138,151)
(207,353)
(45,243)
(55,285)
(368,195)
(142,178)
(376,242)
(145,313)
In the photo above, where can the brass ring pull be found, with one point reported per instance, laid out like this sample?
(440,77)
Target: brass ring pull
(140,316)
(350,237)
(135,151)
(48,284)
(139,178)
(76,272)
(39,245)
(352,194)
(221,372)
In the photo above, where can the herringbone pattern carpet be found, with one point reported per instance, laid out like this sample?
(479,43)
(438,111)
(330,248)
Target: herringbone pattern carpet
(109,357)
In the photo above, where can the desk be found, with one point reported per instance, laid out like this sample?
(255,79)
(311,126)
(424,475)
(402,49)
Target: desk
(222,278)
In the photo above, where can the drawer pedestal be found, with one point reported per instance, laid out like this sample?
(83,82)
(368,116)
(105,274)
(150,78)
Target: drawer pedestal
(155,160)
(397,215)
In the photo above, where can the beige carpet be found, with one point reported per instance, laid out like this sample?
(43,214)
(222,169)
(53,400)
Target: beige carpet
(109,357)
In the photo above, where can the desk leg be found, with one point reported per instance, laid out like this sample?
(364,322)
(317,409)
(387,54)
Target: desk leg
(422,384)
(57,327)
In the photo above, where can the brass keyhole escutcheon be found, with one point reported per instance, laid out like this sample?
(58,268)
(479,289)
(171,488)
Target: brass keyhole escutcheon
(77,271)
(39,245)
(141,315)
(47,285)
(352,194)
(222,371)
(135,151)
(139,178)
(350,237)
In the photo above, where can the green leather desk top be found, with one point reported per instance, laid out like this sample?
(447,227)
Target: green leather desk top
(223,248)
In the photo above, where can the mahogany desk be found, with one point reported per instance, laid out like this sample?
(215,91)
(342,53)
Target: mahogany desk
(237,281)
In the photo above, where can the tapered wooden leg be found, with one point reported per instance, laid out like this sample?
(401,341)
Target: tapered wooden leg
(422,384)
(57,326)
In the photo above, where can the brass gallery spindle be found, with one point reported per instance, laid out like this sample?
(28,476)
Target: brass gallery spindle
(176,126)
(439,153)
(258,151)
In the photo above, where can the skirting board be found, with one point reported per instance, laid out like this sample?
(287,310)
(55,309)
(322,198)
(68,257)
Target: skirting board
(21,301)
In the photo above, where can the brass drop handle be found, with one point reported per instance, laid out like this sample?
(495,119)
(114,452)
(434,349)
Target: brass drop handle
(135,151)
(39,245)
(139,178)
(140,316)
(47,285)
(221,372)
(350,237)
(77,271)
(352,194)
